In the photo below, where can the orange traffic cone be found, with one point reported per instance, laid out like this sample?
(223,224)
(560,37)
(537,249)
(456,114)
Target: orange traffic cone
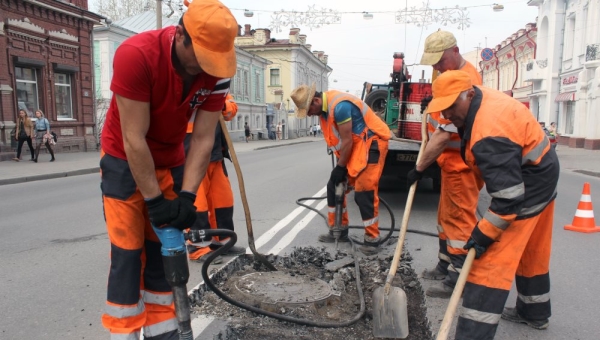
(583,221)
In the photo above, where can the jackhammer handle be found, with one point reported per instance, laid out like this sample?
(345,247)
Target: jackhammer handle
(458,289)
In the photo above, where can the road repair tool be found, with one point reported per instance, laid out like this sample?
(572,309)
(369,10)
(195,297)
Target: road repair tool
(340,191)
(257,256)
(390,314)
(177,273)
(456,294)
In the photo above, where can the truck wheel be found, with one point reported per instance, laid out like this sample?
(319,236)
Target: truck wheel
(377,101)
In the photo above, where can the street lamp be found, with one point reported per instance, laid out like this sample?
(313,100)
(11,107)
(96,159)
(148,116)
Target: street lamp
(498,8)
(367,16)
(248,13)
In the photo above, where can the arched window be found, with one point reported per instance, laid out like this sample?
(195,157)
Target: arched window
(239,123)
(258,122)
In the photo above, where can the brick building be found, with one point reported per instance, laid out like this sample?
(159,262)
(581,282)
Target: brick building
(46,63)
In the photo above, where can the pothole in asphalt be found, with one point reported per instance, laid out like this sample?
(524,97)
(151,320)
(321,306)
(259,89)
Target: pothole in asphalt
(310,284)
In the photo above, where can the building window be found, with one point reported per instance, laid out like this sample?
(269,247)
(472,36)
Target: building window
(569,117)
(258,122)
(238,85)
(62,96)
(246,85)
(27,89)
(257,87)
(275,81)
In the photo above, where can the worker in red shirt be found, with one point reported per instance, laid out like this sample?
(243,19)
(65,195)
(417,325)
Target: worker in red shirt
(160,78)
(460,187)
(214,199)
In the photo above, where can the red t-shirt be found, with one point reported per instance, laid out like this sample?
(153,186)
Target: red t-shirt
(143,71)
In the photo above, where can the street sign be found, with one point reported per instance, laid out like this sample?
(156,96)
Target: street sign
(487,54)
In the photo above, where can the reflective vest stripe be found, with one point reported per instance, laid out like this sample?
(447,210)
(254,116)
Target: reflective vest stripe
(160,328)
(475,315)
(164,299)
(124,311)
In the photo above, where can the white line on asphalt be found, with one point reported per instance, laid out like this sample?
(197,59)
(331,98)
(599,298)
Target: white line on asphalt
(266,237)
(200,323)
(291,235)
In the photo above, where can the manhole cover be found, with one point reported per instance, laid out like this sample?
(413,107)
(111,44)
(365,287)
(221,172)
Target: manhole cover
(281,288)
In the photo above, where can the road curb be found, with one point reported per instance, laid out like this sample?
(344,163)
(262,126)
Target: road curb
(49,176)
(588,172)
(280,145)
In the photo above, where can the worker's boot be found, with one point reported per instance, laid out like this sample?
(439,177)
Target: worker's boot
(330,238)
(512,315)
(369,247)
(440,290)
(435,274)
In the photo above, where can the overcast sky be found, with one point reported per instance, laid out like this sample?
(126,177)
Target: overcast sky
(361,50)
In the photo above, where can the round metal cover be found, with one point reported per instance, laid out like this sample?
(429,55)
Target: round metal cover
(279,287)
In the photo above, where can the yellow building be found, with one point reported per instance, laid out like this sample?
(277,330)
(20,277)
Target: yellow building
(292,63)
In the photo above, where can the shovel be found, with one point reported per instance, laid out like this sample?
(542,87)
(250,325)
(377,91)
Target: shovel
(458,289)
(390,314)
(261,258)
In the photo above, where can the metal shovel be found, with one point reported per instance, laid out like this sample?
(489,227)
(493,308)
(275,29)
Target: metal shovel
(390,314)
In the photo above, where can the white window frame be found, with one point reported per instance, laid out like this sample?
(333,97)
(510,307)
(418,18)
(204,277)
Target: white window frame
(69,87)
(35,91)
(276,77)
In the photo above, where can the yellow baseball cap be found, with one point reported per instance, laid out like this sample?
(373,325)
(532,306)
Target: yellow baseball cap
(446,88)
(435,45)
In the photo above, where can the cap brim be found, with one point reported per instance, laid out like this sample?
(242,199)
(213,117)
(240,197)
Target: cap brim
(442,103)
(431,58)
(217,64)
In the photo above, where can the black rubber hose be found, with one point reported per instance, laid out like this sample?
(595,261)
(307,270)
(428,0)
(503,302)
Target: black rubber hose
(232,239)
(392,217)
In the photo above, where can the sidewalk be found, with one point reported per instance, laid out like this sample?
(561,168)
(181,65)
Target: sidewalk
(83,163)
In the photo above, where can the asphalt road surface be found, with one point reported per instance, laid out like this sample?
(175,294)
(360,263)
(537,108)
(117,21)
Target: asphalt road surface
(54,246)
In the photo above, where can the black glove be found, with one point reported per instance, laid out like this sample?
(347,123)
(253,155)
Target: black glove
(338,174)
(179,213)
(413,176)
(424,102)
(479,250)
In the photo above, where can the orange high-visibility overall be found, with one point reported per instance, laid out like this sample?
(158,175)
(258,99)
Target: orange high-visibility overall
(138,295)
(458,197)
(214,199)
(365,164)
(505,147)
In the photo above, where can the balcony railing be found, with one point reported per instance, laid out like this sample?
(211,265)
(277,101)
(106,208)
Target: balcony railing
(592,52)
(535,70)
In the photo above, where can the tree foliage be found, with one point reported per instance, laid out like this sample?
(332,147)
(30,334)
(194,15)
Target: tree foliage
(121,9)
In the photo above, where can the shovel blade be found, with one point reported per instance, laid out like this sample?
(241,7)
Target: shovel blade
(390,314)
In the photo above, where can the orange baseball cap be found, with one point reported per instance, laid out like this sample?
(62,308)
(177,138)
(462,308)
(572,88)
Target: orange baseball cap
(213,29)
(446,88)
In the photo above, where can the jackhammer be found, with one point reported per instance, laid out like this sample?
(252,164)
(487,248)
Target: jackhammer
(177,274)
(340,191)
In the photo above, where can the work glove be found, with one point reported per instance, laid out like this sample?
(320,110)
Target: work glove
(179,213)
(338,174)
(479,250)
(424,102)
(413,176)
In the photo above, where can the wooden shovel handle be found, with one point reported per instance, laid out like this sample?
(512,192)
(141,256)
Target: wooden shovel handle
(458,289)
(406,216)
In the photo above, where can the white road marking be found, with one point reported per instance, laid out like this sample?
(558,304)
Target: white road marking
(291,235)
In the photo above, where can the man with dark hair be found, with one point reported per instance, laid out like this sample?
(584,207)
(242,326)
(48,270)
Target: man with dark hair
(160,78)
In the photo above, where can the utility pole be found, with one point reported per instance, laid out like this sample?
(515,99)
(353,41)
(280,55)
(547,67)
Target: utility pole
(158,14)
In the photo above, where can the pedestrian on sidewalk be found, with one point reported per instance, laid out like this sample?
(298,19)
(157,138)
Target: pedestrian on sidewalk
(24,133)
(460,187)
(214,199)
(359,140)
(502,143)
(161,77)
(42,135)
(247,131)
(278,130)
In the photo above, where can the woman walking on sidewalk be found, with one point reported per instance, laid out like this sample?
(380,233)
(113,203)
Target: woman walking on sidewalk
(24,134)
(42,135)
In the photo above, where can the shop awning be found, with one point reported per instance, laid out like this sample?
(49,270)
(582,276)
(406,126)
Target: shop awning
(565,97)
